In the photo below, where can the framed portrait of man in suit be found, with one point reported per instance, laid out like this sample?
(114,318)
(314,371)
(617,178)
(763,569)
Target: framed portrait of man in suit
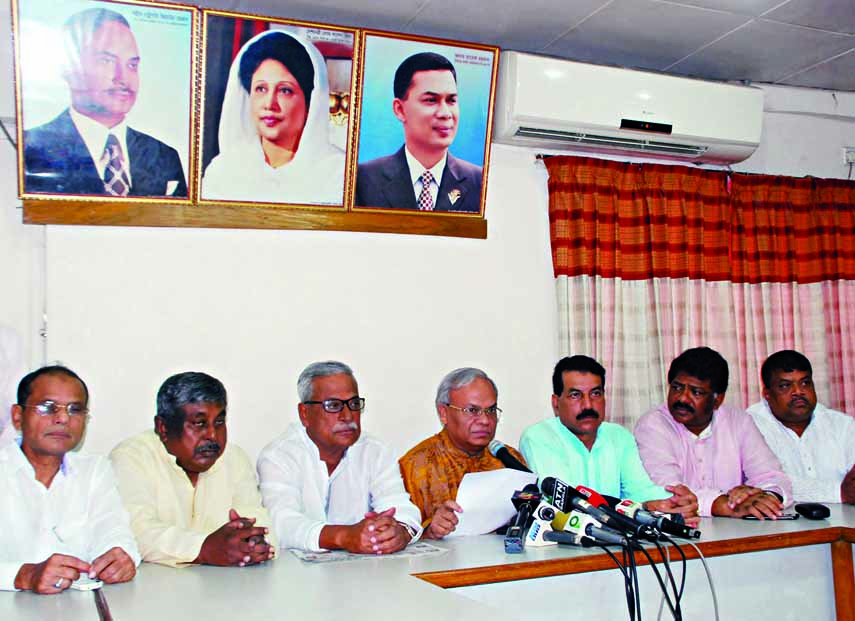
(424,125)
(275,111)
(105,99)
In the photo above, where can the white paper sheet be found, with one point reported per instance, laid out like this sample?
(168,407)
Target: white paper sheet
(486,500)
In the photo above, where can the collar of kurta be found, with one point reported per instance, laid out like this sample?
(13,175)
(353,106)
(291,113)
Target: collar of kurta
(459,454)
(170,458)
(19,459)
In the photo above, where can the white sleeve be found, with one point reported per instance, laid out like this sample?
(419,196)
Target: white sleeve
(110,524)
(280,482)
(387,491)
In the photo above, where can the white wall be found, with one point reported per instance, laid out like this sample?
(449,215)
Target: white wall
(126,307)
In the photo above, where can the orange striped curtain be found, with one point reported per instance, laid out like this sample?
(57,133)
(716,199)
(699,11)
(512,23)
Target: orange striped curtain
(652,259)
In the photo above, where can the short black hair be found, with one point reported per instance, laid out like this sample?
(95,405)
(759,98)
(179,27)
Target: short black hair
(580,364)
(786,360)
(25,386)
(181,389)
(423,61)
(704,364)
(282,48)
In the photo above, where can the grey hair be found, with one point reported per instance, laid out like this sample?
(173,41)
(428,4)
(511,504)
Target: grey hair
(316,370)
(458,379)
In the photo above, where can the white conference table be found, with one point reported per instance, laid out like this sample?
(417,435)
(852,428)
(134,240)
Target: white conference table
(797,569)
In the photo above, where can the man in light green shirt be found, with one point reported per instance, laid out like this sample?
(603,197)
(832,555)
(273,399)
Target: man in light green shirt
(580,448)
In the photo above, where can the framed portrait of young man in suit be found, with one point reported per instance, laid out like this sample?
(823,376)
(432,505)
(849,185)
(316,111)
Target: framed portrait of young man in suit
(424,125)
(105,100)
(275,112)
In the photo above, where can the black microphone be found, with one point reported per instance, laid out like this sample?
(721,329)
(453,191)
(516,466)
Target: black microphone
(663,522)
(525,501)
(565,499)
(501,452)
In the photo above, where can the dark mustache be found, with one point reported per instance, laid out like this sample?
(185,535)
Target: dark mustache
(207,446)
(683,406)
(588,413)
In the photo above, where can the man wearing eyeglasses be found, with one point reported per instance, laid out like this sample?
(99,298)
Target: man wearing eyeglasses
(327,486)
(62,516)
(716,450)
(192,495)
(580,448)
(433,469)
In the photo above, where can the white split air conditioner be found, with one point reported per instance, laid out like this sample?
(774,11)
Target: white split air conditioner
(549,102)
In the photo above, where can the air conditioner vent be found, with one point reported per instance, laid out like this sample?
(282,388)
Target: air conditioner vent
(611,142)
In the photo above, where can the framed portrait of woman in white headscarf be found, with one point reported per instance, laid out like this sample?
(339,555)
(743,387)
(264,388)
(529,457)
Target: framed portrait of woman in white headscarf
(275,112)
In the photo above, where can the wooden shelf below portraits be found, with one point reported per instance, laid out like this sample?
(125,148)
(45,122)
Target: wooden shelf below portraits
(243,217)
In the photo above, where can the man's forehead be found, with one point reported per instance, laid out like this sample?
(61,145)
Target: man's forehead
(690,380)
(337,383)
(202,408)
(470,390)
(110,36)
(781,374)
(576,380)
(432,80)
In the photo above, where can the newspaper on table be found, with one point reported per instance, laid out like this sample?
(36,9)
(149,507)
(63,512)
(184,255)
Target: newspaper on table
(420,548)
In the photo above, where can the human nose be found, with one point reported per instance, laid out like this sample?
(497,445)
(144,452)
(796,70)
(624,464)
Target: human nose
(60,414)
(270,100)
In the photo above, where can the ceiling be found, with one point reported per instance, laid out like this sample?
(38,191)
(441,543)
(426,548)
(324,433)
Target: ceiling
(791,42)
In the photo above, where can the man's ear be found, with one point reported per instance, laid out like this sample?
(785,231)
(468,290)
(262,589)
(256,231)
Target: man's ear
(555,404)
(398,110)
(442,411)
(719,399)
(303,412)
(765,393)
(17,416)
(160,428)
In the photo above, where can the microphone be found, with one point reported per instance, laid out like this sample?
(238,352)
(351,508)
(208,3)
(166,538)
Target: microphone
(501,452)
(565,499)
(525,501)
(665,522)
(568,539)
(599,501)
(540,526)
(582,524)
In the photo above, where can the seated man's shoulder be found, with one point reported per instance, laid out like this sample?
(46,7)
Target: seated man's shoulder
(428,446)
(141,444)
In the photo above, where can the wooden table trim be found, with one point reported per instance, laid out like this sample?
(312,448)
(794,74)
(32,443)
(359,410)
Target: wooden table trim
(525,569)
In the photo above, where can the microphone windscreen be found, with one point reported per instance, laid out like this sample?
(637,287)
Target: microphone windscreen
(494,447)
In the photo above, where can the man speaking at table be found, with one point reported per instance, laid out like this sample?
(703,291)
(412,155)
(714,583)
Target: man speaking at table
(580,448)
(696,440)
(328,487)
(62,516)
(193,497)
(89,148)
(466,402)
(422,175)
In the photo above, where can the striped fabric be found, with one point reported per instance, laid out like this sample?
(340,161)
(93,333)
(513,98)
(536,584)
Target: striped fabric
(650,260)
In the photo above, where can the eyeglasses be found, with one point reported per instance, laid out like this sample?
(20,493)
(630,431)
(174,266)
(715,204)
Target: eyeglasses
(474,412)
(52,408)
(334,406)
